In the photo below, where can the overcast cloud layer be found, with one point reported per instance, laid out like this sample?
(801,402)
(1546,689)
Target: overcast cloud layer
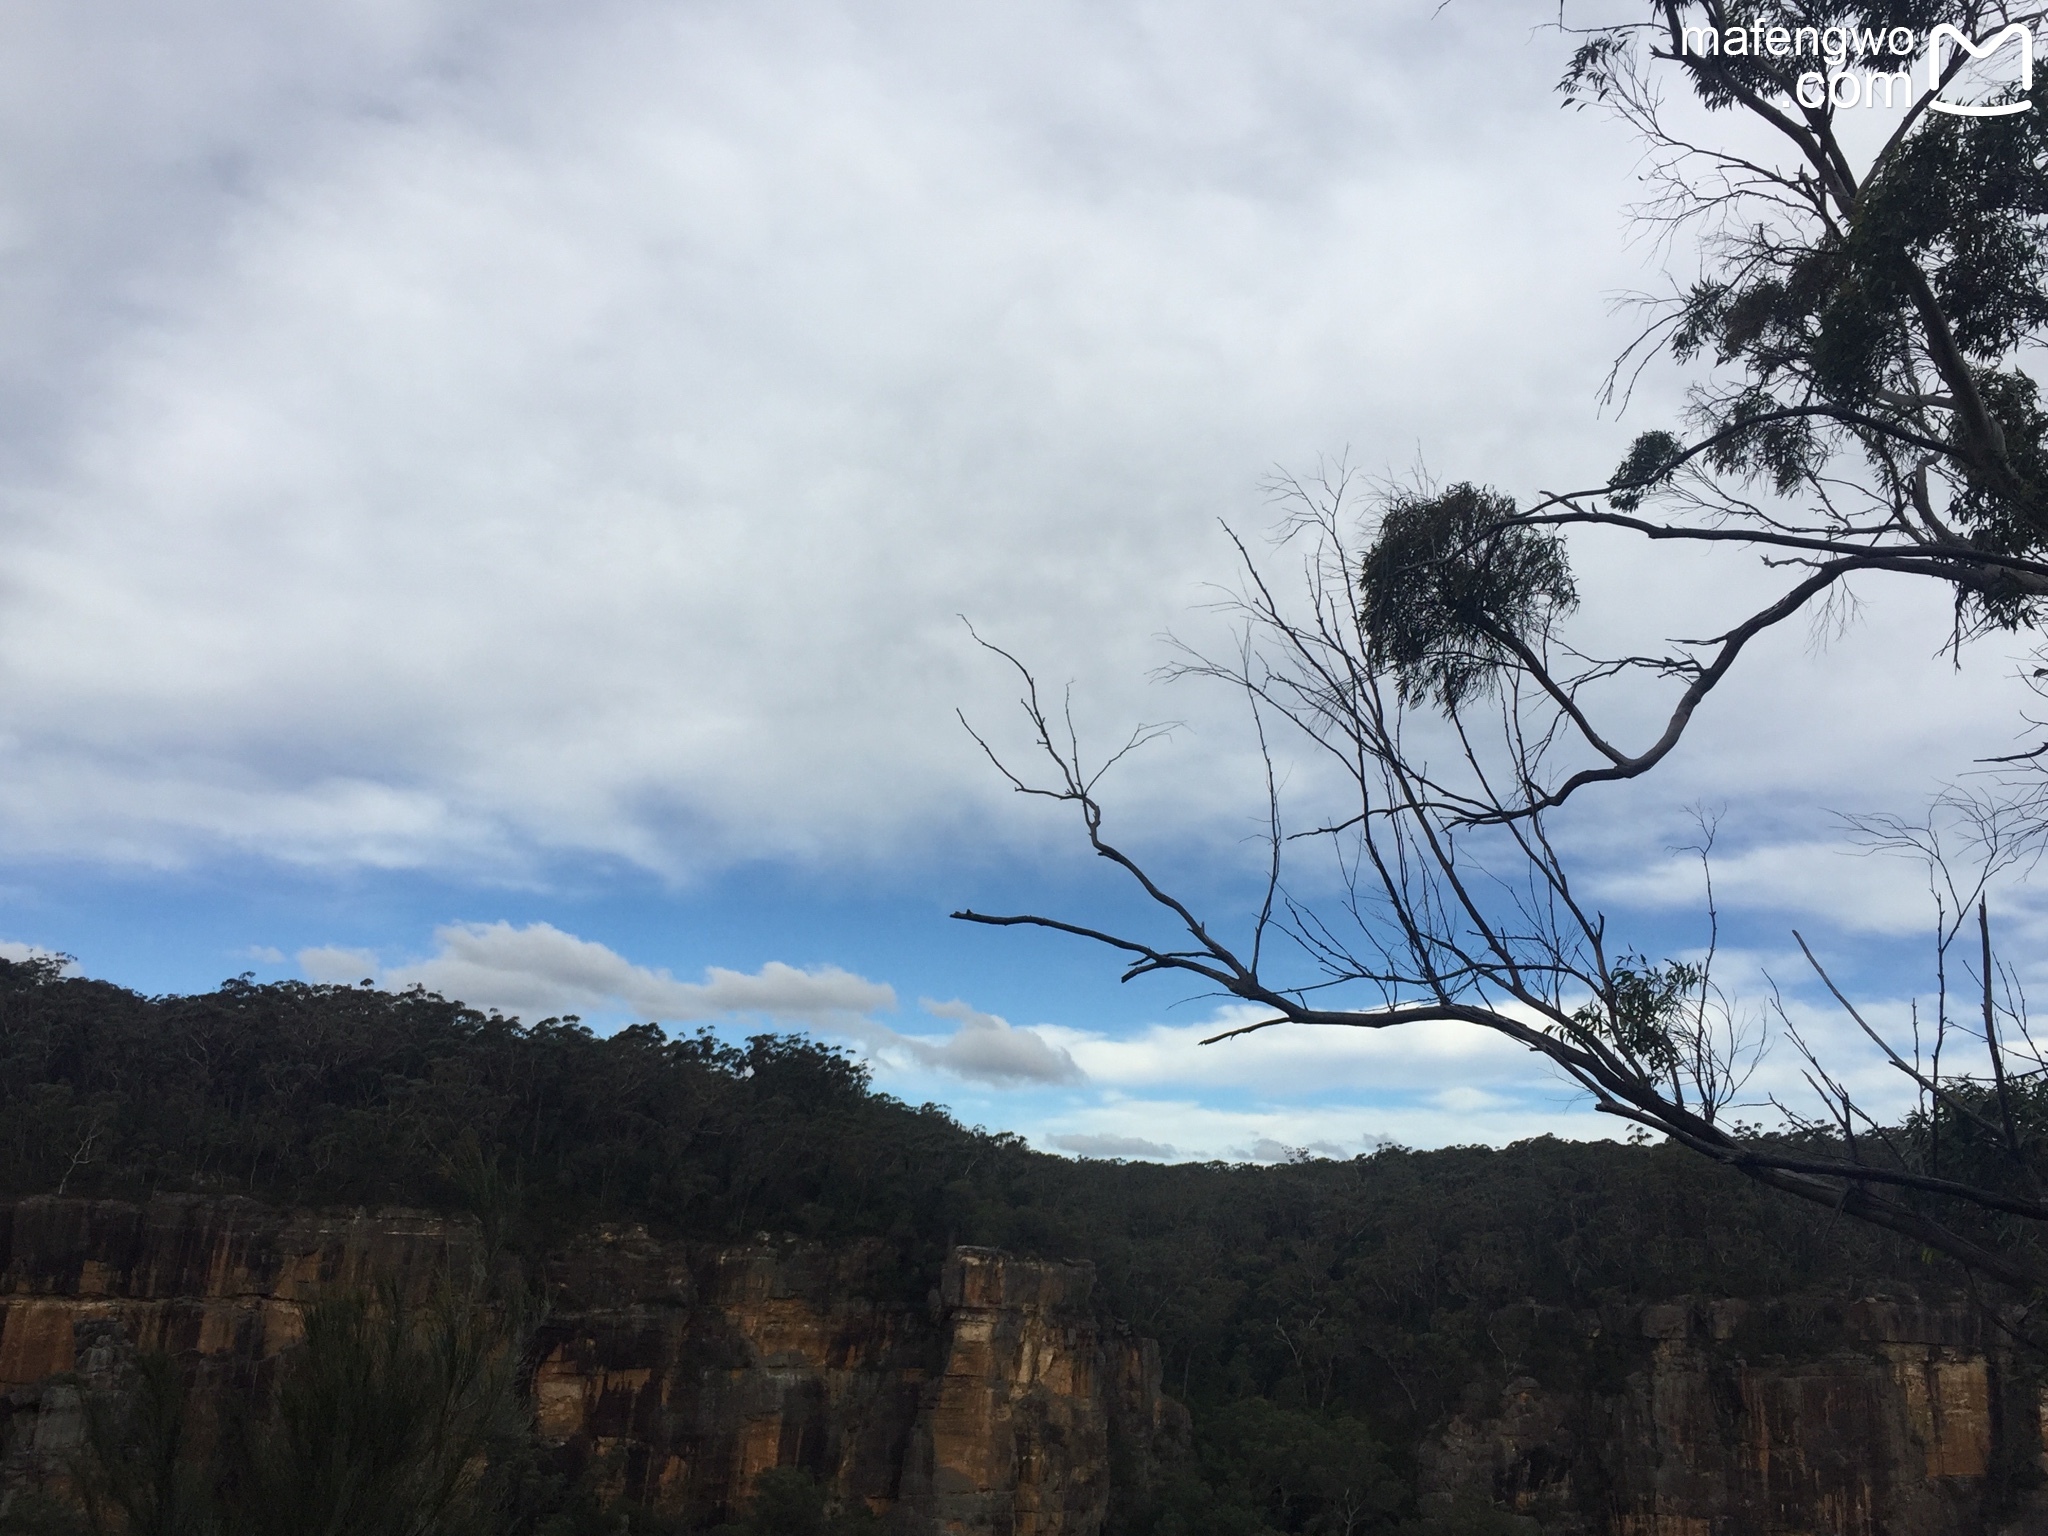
(460,434)
(476,441)
(450,435)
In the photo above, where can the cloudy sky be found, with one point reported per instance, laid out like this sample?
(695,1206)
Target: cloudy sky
(491,493)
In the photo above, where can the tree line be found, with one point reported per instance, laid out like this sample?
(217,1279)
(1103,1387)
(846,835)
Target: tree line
(1317,1317)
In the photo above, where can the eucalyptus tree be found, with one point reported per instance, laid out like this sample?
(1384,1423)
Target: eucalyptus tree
(1862,322)
(1869,406)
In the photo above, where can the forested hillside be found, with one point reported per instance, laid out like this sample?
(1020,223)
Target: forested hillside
(1312,1314)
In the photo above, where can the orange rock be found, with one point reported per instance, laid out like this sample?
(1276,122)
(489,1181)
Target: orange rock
(673,1373)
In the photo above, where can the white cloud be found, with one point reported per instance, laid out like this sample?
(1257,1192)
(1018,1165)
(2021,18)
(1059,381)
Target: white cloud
(1864,892)
(987,1049)
(1155,1094)
(471,434)
(462,438)
(1465,1100)
(18,952)
(1347,1125)
(984,1049)
(1106,1145)
(1293,1057)
(1328,1092)
(1267,1150)
(332,965)
(540,970)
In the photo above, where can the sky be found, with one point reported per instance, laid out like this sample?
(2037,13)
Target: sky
(494,497)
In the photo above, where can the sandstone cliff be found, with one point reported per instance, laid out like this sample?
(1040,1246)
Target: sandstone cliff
(674,1373)
(989,1407)
(998,1402)
(1720,1418)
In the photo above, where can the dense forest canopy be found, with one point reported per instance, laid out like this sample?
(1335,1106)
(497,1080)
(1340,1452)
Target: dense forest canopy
(1317,1309)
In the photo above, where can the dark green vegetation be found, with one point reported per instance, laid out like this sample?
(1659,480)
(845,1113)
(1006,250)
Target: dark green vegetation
(388,1421)
(1317,1317)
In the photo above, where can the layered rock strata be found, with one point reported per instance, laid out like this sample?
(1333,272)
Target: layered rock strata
(672,1373)
(1706,1417)
(991,1398)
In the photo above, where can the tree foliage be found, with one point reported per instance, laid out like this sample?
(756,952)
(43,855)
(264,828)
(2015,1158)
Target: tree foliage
(387,1422)
(1866,322)
(319,1094)
(1861,328)
(1319,1317)
(388,1419)
(1452,590)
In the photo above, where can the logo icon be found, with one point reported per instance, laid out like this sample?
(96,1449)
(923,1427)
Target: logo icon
(2016,33)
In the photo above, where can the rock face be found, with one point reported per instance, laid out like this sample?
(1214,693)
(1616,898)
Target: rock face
(675,1373)
(991,1406)
(995,1402)
(1719,1418)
